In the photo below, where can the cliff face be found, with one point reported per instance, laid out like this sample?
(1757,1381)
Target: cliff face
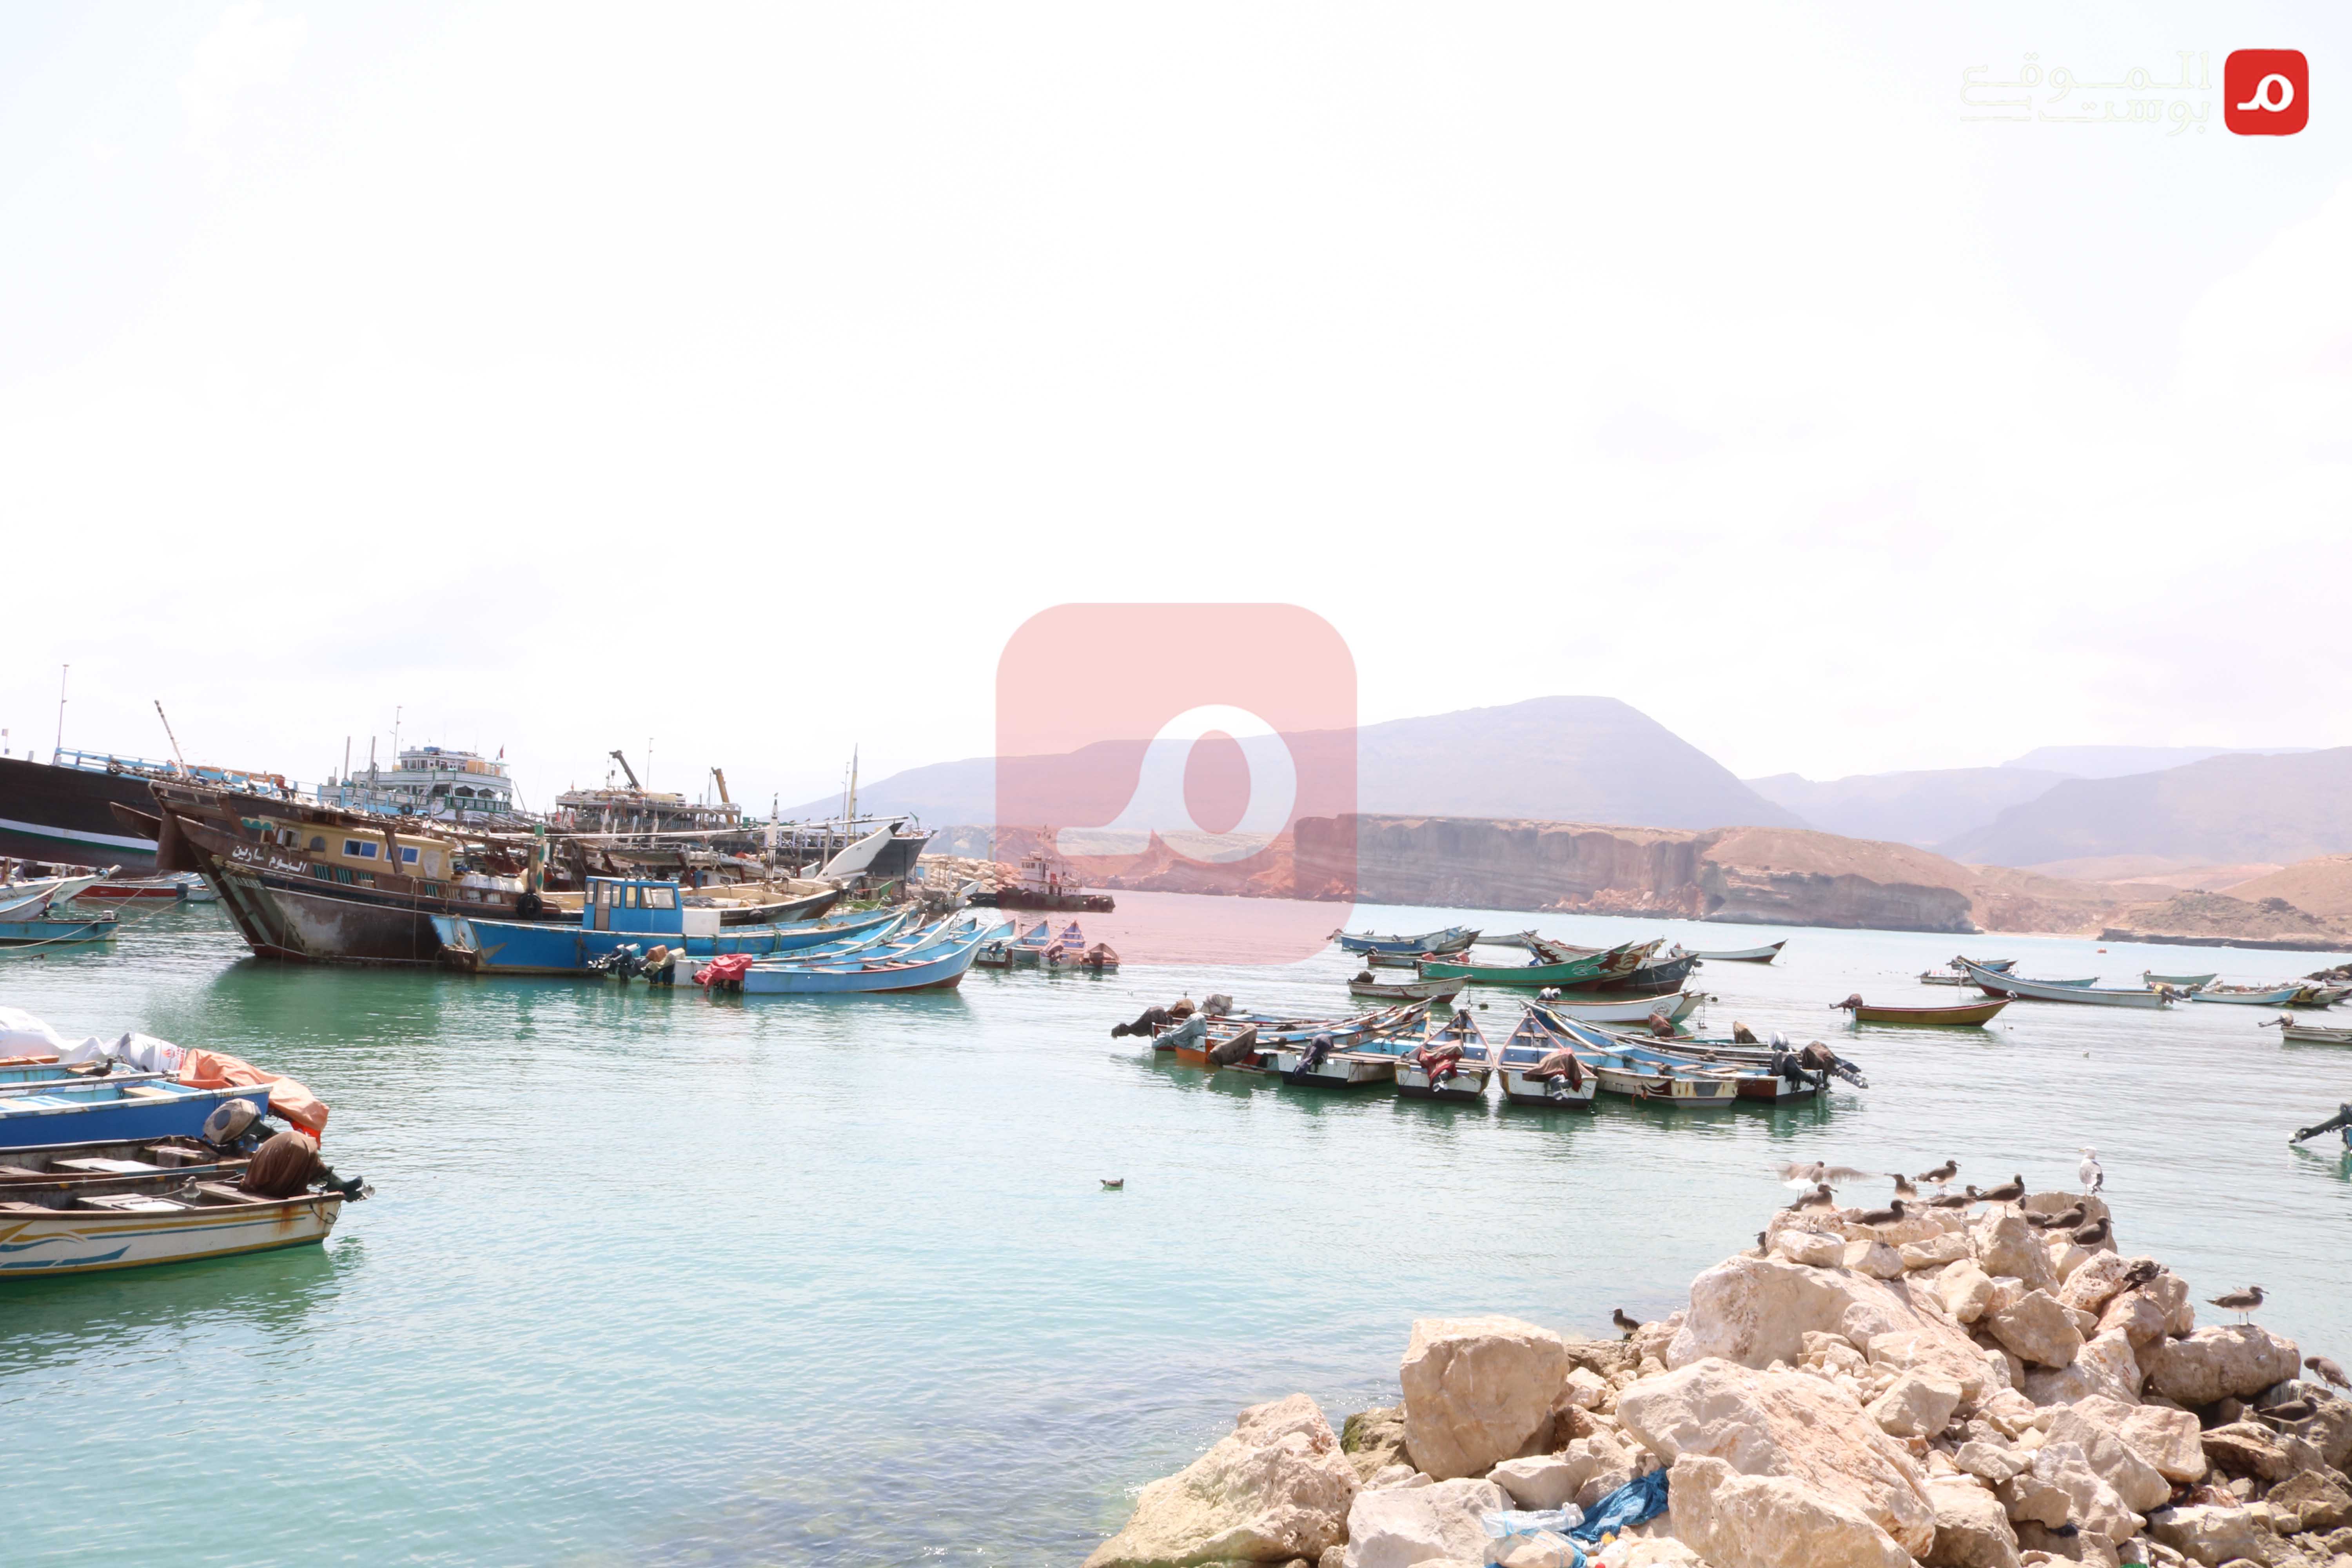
(1758,876)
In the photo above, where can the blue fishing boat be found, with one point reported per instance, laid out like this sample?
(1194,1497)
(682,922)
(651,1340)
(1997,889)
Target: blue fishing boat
(621,912)
(29,934)
(1453,939)
(134,1105)
(1540,1066)
(933,959)
(1454,1063)
(1030,946)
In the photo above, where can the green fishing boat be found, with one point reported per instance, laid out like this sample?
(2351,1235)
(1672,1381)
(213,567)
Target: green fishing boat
(1603,965)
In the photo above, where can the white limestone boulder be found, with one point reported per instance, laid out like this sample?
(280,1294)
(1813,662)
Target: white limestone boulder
(1915,1405)
(1965,1292)
(1734,1520)
(2038,1329)
(2232,1362)
(2089,1424)
(2104,1368)
(2212,1534)
(2169,1439)
(1541,1481)
(1405,1526)
(1784,1424)
(1275,1487)
(1972,1530)
(1479,1391)
(2007,1249)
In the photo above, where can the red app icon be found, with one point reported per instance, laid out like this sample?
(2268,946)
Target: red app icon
(1148,752)
(2266,93)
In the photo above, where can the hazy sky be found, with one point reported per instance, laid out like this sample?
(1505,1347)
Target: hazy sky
(743,378)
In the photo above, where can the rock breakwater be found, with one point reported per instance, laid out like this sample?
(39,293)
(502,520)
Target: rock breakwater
(1955,1389)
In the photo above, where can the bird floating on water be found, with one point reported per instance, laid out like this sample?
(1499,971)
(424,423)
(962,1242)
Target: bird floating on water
(2095,1234)
(2242,1302)
(2093,1177)
(1941,1175)
(2328,1370)
(1111,1186)
(1630,1325)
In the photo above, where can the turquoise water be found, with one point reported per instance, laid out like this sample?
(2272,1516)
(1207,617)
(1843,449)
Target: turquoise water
(652,1278)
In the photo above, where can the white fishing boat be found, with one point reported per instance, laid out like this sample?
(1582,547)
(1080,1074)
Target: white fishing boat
(1454,1063)
(1313,1065)
(23,897)
(1363,984)
(2178,982)
(1745,955)
(1676,1008)
(1540,1067)
(2250,996)
(2308,1033)
(1993,983)
(95,1233)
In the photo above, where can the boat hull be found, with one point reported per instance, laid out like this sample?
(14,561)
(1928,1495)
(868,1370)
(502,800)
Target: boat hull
(32,933)
(1518,1088)
(1972,1014)
(1464,1086)
(67,814)
(2279,997)
(1407,990)
(1993,983)
(1745,954)
(1638,1011)
(28,1119)
(85,1241)
(1453,939)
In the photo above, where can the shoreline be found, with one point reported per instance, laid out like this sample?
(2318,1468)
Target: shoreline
(1950,1386)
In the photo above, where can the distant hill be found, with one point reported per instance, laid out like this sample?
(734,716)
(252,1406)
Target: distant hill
(1557,759)
(2115,761)
(1923,808)
(2226,810)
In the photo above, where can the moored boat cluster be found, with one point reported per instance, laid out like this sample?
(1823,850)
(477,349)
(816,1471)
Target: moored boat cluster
(1952,1388)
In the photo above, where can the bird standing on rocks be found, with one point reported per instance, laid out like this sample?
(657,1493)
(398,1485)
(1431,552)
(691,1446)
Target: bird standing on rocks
(2139,1274)
(2009,1191)
(1887,1216)
(1903,1187)
(2093,1234)
(1941,1175)
(1629,1325)
(1952,1201)
(2066,1221)
(2302,1408)
(2093,1177)
(2242,1302)
(1821,1197)
(2328,1370)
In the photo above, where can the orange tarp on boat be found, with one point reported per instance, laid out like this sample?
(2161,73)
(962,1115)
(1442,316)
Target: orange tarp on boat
(287,1099)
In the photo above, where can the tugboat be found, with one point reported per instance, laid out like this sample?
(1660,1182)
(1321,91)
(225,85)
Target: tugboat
(1047,882)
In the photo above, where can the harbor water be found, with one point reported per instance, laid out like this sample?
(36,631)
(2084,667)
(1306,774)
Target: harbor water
(656,1277)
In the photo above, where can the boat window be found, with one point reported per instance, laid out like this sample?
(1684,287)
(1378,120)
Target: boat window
(408,854)
(360,848)
(605,895)
(660,898)
(319,844)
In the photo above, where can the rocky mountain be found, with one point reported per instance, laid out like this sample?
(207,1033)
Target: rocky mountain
(2226,810)
(1561,759)
(1924,807)
(2115,762)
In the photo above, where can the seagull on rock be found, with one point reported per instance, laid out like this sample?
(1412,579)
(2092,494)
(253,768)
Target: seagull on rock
(1629,1325)
(1887,1216)
(1903,1187)
(1952,1201)
(2066,1221)
(1941,1175)
(2093,1177)
(2328,1370)
(2093,1234)
(1821,1197)
(2009,1191)
(2242,1302)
